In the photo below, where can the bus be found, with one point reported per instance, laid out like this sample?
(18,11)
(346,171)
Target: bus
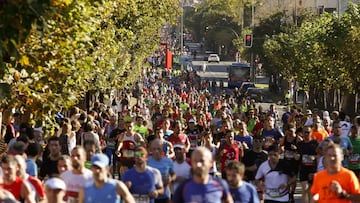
(238,73)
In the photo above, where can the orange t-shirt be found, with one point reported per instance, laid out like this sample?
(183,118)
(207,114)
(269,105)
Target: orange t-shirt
(319,135)
(322,181)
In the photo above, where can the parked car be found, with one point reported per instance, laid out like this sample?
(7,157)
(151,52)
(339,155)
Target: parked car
(255,93)
(214,58)
(245,85)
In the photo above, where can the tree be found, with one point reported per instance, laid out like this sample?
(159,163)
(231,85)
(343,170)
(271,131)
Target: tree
(77,46)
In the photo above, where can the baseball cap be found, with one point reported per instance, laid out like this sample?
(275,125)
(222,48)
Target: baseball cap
(100,160)
(308,112)
(55,183)
(191,121)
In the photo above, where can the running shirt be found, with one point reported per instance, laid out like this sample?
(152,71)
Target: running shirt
(108,193)
(269,135)
(178,139)
(354,158)
(308,155)
(166,168)
(181,170)
(247,139)
(250,158)
(214,191)
(193,136)
(289,153)
(273,178)
(142,184)
(345,144)
(246,193)
(15,187)
(230,152)
(322,181)
(128,148)
(75,182)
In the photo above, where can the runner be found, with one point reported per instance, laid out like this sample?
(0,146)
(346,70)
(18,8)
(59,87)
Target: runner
(308,150)
(144,182)
(252,160)
(127,143)
(240,190)
(165,166)
(78,177)
(229,150)
(335,183)
(275,177)
(354,158)
(182,168)
(55,189)
(290,144)
(202,187)
(13,183)
(104,189)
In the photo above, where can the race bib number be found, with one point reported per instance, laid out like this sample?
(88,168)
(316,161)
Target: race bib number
(308,160)
(354,159)
(128,153)
(141,198)
(289,154)
(193,144)
(275,192)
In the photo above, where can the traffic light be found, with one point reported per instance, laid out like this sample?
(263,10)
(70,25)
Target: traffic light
(248,40)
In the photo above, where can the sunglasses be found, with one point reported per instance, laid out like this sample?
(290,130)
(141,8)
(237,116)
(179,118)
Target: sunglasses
(140,153)
(307,132)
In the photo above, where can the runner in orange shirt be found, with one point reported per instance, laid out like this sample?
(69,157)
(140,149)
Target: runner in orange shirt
(318,132)
(335,184)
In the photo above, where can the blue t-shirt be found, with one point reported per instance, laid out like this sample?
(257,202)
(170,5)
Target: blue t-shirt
(141,183)
(166,168)
(345,143)
(105,194)
(214,191)
(31,167)
(246,193)
(247,139)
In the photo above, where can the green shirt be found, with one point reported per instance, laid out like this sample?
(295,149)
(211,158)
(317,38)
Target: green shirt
(354,158)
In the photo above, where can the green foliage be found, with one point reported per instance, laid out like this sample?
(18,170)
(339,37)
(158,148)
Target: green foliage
(71,47)
(320,53)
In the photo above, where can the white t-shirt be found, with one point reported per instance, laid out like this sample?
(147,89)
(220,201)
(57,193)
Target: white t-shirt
(76,182)
(273,180)
(181,170)
(345,127)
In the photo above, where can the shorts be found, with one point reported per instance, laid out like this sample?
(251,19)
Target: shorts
(304,175)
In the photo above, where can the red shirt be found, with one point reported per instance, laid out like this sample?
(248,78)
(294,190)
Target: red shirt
(15,187)
(231,152)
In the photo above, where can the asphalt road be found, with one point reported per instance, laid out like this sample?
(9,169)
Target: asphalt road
(216,72)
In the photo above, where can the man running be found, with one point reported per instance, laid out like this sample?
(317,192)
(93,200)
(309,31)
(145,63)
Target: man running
(240,190)
(78,177)
(104,189)
(335,183)
(202,187)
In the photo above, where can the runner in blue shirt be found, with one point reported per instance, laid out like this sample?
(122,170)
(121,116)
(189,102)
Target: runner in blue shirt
(241,191)
(202,187)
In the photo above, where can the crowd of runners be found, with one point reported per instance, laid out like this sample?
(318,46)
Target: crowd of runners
(180,142)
